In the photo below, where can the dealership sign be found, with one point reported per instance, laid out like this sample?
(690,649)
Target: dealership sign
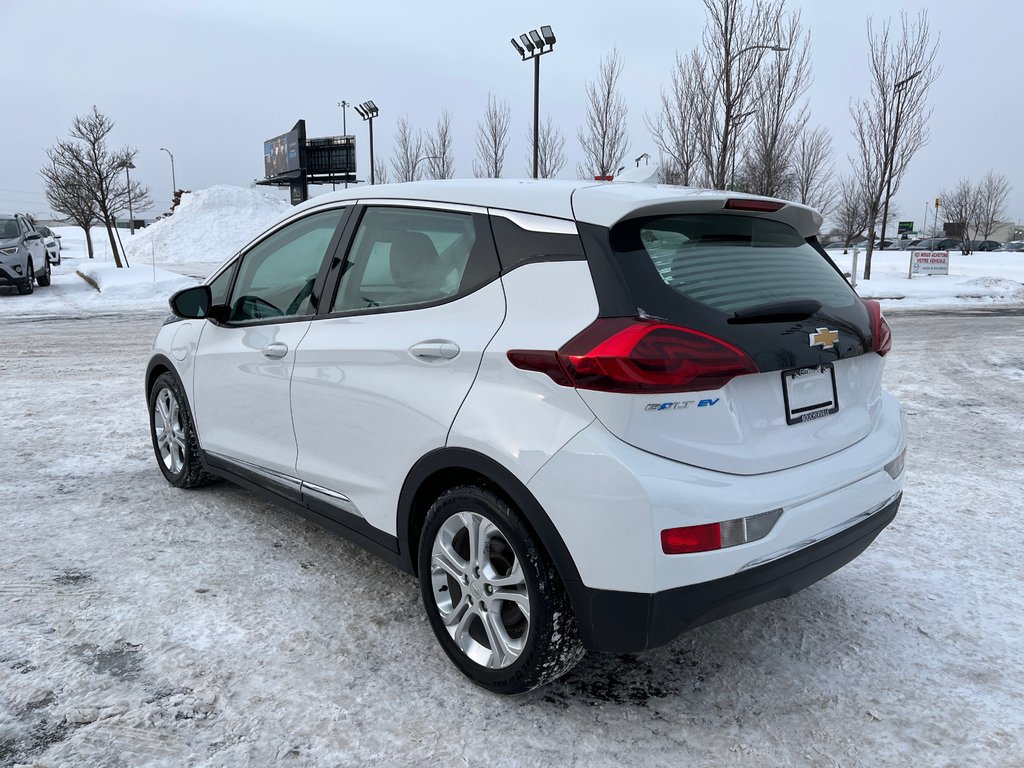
(929,263)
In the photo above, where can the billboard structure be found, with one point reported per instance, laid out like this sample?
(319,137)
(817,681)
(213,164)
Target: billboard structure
(291,160)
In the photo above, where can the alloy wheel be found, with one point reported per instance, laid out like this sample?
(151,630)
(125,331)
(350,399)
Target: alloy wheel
(169,430)
(480,590)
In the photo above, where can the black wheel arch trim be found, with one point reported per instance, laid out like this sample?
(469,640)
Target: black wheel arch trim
(464,459)
(162,361)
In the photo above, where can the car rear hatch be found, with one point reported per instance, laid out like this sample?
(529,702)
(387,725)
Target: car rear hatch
(727,340)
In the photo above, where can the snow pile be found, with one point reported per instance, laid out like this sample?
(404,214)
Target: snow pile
(973,279)
(207,227)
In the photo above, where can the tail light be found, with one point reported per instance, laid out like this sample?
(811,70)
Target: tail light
(881,334)
(632,355)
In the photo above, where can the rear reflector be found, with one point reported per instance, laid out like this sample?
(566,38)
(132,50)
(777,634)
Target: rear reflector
(744,204)
(633,355)
(895,467)
(712,536)
(881,334)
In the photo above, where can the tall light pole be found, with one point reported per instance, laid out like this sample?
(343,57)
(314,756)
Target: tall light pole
(534,45)
(898,90)
(174,184)
(128,164)
(344,129)
(737,121)
(368,110)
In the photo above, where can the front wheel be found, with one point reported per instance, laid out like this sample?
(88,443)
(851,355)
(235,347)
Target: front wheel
(494,600)
(44,278)
(25,287)
(174,435)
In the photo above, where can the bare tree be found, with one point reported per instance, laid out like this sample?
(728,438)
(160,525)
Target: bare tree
(93,170)
(891,125)
(550,151)
(675,128)
(733,46)
(604,139)
(66,193)
(812,170)
(851,211)
(960,211)
(380,170)
(780,83)
(492,139)
(407,153)
(440,160)
(992,193)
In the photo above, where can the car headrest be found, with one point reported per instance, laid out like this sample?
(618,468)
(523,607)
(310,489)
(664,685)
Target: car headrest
(413,257)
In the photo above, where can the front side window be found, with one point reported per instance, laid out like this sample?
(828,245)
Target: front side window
(404,257)
(275,278)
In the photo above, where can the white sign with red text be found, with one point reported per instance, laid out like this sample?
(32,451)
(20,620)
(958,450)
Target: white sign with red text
(929,263)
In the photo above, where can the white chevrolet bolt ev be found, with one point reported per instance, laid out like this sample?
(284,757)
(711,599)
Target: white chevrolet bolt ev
(584,415)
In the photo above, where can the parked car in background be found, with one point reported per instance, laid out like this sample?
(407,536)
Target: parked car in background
(984,245)
(583,415)
(23,260)
(52,242)
(1013,245)
(937,244)
(906,244)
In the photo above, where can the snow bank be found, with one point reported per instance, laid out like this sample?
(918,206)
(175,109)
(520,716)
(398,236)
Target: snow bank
(209,226)
(139,284)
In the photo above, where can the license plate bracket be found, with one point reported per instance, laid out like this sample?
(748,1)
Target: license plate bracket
(809,393)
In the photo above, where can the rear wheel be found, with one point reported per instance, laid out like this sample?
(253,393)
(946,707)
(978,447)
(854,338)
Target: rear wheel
(25,287)
(494,601)
(44,278)
(174,435)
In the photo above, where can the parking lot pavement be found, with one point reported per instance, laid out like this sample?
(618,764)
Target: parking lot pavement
(144,625)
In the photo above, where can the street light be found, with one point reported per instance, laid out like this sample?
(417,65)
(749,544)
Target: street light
(420,160)
(645,157)
(898,90)
(766,47)
(534,45)
(128,164)
(174,184)
(368,110)
(737,121)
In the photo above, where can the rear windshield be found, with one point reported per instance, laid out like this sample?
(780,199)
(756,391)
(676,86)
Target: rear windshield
(724,262)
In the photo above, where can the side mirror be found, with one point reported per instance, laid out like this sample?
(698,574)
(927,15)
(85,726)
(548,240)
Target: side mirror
(192,303)
(33,236)
(56,236)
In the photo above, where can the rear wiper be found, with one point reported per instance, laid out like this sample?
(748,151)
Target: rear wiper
(779,312)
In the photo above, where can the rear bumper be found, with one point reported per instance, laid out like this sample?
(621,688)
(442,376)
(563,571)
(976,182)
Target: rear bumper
(630,622)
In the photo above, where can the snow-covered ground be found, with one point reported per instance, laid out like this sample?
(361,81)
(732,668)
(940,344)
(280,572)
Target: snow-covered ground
(146,626)
(142,625)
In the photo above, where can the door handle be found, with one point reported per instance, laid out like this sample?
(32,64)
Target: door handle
(275,351)
(435,350)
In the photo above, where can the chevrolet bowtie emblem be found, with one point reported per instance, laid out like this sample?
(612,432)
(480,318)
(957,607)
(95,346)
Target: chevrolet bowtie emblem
(825,337)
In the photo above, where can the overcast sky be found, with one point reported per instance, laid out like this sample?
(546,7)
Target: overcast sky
(211,79)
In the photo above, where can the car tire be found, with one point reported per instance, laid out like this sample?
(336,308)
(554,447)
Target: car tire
(174,436)
(493,598)
(25,287)
(44,278)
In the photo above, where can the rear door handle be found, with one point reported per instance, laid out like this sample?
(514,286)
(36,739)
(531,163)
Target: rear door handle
(275,351)
(435,350)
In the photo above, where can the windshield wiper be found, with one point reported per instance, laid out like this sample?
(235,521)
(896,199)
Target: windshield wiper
(778,312)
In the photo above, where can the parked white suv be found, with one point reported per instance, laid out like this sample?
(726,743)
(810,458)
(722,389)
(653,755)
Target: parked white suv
(585,415)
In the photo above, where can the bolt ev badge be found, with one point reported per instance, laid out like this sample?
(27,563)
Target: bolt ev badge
(825,337)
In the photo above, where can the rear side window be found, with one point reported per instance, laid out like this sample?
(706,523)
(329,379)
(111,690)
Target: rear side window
(727,263)
(403,257)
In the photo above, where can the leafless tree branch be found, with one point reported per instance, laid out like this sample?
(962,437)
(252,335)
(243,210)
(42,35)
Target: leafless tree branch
(603,138)
(492,139)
